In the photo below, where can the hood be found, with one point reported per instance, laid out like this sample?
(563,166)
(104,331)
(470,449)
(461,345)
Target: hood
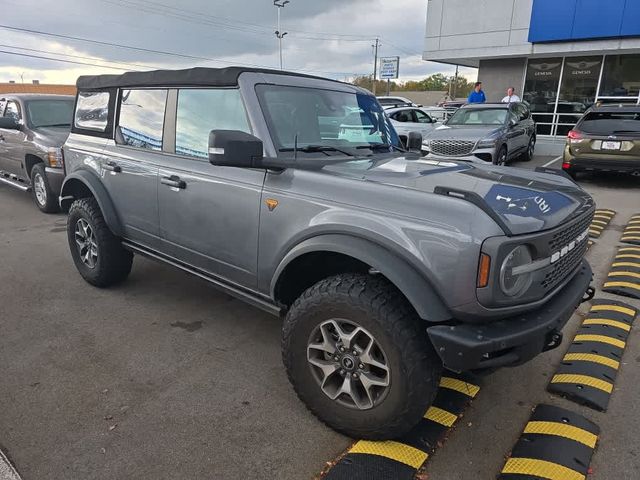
(51,136)
(521,201)
(463,132)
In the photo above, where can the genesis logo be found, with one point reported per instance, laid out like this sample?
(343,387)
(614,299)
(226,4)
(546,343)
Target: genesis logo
(571,246)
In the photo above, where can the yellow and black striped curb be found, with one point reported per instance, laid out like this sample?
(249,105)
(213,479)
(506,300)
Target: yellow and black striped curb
(556,444)
(601,220)
(624,277)
(400,459)
(588,370)
(631,232)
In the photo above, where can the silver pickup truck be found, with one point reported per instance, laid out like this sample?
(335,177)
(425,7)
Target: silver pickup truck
(385,267)
(33,127)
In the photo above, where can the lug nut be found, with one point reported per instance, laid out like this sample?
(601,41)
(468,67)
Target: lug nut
(336,358)
(342,372)
(361,366)
(354,375)
(342,349)
(355,353)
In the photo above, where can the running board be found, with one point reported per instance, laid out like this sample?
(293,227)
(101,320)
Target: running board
(14,183)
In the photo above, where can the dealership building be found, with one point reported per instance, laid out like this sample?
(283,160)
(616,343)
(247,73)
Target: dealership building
(562,56)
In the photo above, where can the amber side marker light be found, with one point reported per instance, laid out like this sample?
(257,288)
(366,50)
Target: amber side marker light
(483,270)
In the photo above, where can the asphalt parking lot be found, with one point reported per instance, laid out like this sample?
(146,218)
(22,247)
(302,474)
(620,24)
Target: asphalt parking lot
(164,377)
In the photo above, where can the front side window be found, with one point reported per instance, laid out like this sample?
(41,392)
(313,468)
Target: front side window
(422,117)
(13,110)
(403,116)
(312,118)
(479,116)
(92,111)
(200,111)
(49,113)
(142,118)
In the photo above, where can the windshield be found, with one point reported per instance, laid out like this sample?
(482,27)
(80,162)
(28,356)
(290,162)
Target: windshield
(479,116)
(321,121)
(50,113)
(605,123)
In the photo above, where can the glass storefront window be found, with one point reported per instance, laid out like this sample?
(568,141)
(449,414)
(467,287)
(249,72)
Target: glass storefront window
(577,90)
(541,89)
(620,77)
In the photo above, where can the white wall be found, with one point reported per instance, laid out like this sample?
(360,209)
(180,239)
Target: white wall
(465,31)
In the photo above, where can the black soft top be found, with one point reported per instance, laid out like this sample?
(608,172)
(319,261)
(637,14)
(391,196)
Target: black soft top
(199,76)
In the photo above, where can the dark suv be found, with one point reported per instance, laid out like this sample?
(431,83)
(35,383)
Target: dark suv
(485,132)
(33,127)
(294,194)
(607,138)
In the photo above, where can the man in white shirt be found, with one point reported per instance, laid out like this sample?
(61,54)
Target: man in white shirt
(511,96)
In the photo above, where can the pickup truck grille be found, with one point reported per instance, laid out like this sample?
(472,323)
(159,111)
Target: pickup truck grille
(572,259)
(452,148)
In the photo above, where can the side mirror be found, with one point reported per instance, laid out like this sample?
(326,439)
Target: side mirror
(9,123)
(414,142)
(233,148)
(513,122)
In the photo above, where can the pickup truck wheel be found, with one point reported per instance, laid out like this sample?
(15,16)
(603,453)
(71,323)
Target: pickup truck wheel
(97,253)
(45,200)
(359,357)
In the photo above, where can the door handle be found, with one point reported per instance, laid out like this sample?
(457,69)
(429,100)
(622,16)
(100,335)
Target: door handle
(112,167)
(173,181)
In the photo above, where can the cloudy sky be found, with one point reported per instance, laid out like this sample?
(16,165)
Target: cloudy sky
(327,37)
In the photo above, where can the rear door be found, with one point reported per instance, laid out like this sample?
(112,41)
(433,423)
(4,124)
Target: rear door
(130,163)
(209,215)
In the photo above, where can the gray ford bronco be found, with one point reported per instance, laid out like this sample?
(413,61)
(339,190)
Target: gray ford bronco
(295,194)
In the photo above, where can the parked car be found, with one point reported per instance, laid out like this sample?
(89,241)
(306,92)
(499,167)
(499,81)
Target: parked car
(488,132)
(392,102)
(411,119)
(450,106)
(387,267)
(606,138)
(32,130)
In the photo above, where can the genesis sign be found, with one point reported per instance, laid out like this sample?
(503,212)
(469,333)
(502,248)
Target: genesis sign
(565,20)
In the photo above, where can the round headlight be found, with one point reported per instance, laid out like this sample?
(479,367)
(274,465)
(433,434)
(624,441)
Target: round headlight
(514,284)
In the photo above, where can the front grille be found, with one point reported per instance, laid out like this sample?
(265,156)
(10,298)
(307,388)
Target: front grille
(572,259)
(452,148)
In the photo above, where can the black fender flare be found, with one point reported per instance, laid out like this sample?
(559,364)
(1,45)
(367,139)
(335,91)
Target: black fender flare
(91,182)
(413,285)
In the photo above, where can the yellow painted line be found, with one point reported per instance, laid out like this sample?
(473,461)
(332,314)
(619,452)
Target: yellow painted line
(633,286)
(394,450)
(540,468)
(604,211)
(614,308)
(596,227)
(626,264)
(592,357)
(628,255)
(583,380)
(440,416)
(605,321)
(459,386)
(600,339)
(562,430)
(594,232)
(601,222)
(624,274)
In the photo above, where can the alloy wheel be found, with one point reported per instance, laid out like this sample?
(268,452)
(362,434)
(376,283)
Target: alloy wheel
(86,243)
(348,364)
(40,189)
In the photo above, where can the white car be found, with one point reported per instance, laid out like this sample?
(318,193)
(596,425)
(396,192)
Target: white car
(393,102)
(411,119)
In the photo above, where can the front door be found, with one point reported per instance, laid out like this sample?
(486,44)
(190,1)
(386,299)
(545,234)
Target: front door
(13,142)
(209,215)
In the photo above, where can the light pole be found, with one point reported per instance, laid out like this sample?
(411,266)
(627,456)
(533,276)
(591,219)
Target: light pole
(280,34)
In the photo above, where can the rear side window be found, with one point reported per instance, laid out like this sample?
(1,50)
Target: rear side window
(142,118)
(92,111)
(608,123)
(203,110)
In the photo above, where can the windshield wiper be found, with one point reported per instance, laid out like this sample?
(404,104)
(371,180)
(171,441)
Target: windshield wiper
(317,149)
(55,125)
(381,146)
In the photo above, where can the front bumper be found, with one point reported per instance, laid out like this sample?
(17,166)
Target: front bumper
(510,341)
(55,177)
(479,155)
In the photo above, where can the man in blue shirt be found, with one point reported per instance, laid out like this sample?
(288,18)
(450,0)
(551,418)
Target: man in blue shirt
(477,95)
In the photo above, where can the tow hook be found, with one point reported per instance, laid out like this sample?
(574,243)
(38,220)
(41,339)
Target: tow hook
(553,340)
(588,295)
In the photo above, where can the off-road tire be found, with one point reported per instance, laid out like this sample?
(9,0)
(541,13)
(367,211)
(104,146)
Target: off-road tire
(376,305)
(113,261)
(50,204)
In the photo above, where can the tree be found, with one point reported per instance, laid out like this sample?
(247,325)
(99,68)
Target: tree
(437,82)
